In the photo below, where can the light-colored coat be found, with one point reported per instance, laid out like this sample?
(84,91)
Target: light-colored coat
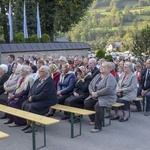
(129,86)
(106,89)
(11,83)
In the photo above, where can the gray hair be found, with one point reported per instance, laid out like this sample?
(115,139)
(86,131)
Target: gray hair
(93,60)
(128,64)
(26,68)
(45,69)
(113,65)
(4,67)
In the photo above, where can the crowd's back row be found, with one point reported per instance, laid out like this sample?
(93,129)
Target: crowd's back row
(87,83)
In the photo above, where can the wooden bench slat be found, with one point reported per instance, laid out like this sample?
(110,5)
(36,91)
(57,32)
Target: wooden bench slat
(3,135)
(139,99)
(27,115)
(72,109)
(117,105)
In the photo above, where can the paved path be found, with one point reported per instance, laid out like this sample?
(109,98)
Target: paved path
(131,135)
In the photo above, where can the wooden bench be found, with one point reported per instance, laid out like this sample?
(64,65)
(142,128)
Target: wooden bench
(73,111)
(117,105)
(139,99)
(3,135)
(35,118)
(108,108)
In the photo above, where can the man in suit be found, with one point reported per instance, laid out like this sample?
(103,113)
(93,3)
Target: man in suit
(11,61)
(145,84)
(92,66)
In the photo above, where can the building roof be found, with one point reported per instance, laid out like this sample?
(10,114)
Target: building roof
(31,47)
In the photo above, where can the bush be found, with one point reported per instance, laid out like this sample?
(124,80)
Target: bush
(2,40)
(100,54)
(33,39)
(45,38)
(19,38)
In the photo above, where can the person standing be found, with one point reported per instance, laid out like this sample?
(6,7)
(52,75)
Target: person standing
(11,61)
(145,84)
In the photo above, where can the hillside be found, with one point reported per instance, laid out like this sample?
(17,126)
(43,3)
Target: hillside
(112,20)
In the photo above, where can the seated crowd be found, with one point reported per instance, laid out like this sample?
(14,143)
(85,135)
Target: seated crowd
(35,85)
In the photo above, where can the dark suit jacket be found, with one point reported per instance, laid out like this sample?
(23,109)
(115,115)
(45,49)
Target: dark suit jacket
(3,79)
(10,69)
(143,78)
(94,72)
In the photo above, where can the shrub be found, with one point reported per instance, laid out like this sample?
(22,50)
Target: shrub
(100,54)
(45,38)
(2,40)
(33,39)
(19,38)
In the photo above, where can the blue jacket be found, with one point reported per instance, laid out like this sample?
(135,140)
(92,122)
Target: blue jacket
(66,85)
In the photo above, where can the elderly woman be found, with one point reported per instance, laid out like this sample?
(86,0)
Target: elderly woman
(3,77)
(55,73)
(102,94)
(80,92)
(11,83)
(42,95)
(19,96)
(126,91)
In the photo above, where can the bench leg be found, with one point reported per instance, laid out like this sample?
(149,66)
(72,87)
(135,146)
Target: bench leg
(33,136)
(104,111)
(72,125)
(143,103)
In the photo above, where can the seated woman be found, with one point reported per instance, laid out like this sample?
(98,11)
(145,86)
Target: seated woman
(19,96)
(102,94)
(3,77)
(11,84)
(54,73)
(42,95)
(66,84)
(126,91)
(80,92)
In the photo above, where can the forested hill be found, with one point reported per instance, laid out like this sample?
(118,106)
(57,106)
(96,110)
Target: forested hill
(110,21)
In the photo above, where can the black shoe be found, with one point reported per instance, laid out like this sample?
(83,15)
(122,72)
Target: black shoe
(3,117)
(65,118)
(29,130)
(115,118)
(49,115)
(137,110)
(8,122)
(123,120)
(25,128)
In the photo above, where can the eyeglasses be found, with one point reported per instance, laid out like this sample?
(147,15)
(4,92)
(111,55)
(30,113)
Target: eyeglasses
(41,71)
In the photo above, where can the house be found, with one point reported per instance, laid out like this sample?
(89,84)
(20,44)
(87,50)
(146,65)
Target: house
(114,46)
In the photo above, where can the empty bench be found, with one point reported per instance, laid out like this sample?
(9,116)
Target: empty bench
(73,111)
(35,118)
(3,135)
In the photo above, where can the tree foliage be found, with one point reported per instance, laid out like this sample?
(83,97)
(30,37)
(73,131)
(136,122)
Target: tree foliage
(142,42)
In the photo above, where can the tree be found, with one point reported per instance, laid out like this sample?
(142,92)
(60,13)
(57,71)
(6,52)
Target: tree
(4,20)
(141,42)
(30,15)
(61,15)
